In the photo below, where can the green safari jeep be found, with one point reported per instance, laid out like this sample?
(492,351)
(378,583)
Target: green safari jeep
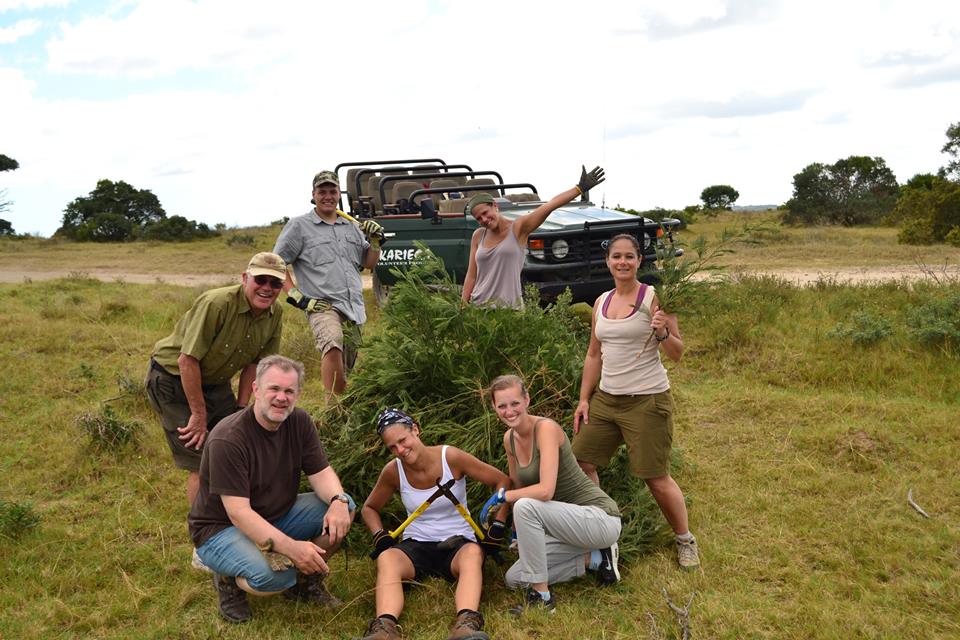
(423,200)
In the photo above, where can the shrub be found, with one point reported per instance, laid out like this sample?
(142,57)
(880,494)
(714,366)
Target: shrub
(433,358)
(107,431)
(240,240)
(864,328)
(937,322)
(16,518)
(953,237)
(928,213)
(176,228)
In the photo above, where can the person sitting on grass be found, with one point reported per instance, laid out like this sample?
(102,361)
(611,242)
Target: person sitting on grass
(249,523)
(439,542)
(565,524)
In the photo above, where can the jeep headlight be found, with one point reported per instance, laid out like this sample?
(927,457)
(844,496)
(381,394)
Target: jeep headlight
(560,249)
(535,246)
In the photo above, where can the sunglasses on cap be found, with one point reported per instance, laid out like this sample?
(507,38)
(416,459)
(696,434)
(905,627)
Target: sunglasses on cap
(274,283)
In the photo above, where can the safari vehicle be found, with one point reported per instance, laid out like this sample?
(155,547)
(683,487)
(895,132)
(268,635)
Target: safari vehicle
(423,200)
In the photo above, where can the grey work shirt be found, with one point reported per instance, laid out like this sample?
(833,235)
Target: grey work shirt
(326,260)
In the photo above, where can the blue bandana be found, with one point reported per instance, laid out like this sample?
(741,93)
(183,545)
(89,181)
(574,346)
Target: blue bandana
(388,417)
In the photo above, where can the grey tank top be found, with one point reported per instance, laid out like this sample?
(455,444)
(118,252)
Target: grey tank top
(573,485)
(498,273)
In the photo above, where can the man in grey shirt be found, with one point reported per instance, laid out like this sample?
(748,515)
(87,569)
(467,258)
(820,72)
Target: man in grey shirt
(326,253)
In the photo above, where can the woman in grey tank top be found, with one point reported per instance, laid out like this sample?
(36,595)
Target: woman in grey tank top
(565,524)
(497,248)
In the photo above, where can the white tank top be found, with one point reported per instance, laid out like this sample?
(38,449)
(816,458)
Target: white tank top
(629,367)
(441,519)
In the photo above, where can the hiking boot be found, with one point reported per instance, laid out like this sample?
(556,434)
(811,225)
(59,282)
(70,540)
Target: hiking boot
(687,555)
(312,590)
(532,600)
(468,626)
(608,572)
(383,629)
(197,563)
(233,600)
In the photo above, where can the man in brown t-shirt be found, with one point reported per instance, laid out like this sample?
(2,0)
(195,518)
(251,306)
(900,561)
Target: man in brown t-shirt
(248,523)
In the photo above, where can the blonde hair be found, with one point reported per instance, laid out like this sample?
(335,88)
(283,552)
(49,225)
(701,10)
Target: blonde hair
(507,382)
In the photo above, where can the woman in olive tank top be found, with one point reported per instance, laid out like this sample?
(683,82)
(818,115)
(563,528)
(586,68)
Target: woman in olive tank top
(565,524)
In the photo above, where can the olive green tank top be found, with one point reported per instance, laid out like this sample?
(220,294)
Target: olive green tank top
(573,485)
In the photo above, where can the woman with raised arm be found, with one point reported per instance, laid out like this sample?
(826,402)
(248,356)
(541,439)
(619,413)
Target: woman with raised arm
(498,246)
(438,541)
(565,524)
(632,402)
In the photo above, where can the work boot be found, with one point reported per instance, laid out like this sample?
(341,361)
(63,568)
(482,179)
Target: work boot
(532,600)
(687,555)
(608,572)
(468,626)
(382,629)
(233,600)
(311,589)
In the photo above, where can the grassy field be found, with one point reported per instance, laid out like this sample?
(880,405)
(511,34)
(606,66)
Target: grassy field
(799,448)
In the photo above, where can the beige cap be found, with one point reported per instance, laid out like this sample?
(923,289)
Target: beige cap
(267,264)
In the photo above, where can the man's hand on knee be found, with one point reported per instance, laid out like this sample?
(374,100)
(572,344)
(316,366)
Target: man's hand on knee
(307,556)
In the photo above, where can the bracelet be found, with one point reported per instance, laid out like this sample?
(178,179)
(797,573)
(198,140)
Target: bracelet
(579,190)
(665,336)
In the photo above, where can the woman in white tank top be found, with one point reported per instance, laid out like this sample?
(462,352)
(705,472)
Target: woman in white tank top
(498,247)
(439,542)
(624,392)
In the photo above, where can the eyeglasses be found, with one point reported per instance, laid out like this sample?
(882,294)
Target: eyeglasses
(274,283)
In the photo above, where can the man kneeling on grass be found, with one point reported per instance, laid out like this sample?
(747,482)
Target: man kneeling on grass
(248,522)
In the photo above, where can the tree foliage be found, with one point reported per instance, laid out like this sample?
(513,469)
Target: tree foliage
(117,211)
(851,191)
(952,149)
(719,196)
(6,229)
(7,163)
(929,211)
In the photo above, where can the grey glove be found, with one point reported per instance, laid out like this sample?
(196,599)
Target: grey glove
(374,232)
(589,180)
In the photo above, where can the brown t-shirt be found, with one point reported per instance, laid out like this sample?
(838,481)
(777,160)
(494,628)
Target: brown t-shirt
(241,458)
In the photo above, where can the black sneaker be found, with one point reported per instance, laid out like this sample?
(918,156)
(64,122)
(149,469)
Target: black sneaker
(608,572)
(533,600)
(232,599)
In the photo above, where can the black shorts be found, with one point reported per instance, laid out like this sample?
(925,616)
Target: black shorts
(428,560)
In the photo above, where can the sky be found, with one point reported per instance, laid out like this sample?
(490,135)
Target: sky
(226,109)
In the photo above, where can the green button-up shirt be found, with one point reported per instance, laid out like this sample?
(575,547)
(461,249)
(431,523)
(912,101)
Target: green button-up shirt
(222,333)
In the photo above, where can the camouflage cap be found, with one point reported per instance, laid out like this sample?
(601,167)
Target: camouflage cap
(267,264)
(326,177)
(480,198)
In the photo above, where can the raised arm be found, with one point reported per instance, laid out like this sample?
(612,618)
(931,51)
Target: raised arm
(525,225)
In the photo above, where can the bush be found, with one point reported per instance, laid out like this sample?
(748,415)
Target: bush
(176,228)
(928,213)
(434,358)
(108,431)
(864,328)
(953,237)
(937,322)
(16,518)
(241,240)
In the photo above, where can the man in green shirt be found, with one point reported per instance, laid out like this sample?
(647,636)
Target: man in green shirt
(226,331)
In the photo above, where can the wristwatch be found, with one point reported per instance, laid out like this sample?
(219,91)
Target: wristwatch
(342,497)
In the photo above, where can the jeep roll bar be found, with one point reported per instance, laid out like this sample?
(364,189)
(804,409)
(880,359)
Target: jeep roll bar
(472,187)
(455,174)
(438,174)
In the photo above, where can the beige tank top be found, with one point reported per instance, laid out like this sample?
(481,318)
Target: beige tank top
(629,367)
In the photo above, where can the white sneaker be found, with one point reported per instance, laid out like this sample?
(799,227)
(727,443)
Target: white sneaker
(687,554)
(197,563)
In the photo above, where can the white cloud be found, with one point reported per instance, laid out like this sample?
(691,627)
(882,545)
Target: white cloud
(740,93)
(20,29)
(27,5)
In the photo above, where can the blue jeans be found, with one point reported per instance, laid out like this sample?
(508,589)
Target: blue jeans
(231,553)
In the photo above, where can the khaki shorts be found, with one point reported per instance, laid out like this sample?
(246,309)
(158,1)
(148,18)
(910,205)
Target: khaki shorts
(644,422)
(332,331)
(168,400)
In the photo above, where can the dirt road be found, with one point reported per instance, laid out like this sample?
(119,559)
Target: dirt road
(797,276)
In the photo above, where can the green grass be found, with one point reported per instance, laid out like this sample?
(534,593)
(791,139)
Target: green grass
(799,450)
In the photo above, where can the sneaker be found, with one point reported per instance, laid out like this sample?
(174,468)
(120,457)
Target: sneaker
(534,601)
(312,590)
(608,572)
(687,554)
(233,600)
(197,563)
(468,626)
(382,629)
